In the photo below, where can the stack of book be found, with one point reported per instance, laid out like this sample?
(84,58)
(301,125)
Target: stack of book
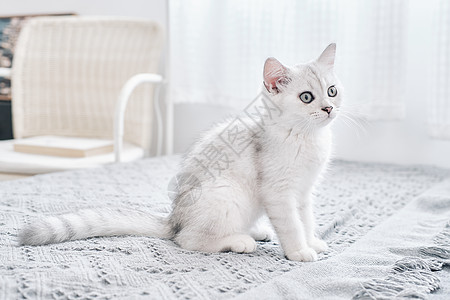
(63,146)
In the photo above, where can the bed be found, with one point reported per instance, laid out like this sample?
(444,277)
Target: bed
(387,227)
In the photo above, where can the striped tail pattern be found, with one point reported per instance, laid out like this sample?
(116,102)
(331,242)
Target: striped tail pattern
(91,223)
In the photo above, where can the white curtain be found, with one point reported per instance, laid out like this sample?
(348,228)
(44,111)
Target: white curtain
(439,112)
(218,48)
(381,58)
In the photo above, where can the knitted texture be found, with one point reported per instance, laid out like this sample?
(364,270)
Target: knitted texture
(353,199)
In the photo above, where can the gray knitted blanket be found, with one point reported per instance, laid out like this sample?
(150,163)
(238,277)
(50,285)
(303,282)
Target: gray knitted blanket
(387,227)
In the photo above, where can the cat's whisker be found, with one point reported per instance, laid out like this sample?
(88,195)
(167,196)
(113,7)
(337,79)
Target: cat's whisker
(356,110)
(304,126)
(351,126)
(352,123)
(359,119)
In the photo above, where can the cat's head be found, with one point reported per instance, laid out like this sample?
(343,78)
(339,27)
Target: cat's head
(309,95)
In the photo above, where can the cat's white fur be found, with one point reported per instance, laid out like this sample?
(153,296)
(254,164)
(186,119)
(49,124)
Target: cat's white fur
(274,175)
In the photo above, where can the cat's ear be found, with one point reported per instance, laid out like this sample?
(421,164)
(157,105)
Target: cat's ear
(327,57)
(275,75)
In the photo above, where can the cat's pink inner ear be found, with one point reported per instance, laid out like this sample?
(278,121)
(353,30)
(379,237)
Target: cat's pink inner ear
(274,74)
(327,56)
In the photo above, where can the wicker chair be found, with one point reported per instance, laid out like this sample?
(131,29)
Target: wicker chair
(68,73)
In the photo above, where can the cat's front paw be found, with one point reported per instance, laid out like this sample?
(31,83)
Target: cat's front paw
(318,245)
(305,254)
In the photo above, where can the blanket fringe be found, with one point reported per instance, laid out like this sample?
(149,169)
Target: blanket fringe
(443,238)
(410,277)
(438,252)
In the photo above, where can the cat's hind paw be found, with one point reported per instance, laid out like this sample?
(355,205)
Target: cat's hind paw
(305,254)
(263,233)
(239,243)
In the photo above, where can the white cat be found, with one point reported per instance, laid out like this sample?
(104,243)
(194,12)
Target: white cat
(240,170)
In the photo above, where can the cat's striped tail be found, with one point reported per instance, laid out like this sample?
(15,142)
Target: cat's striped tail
(93,222)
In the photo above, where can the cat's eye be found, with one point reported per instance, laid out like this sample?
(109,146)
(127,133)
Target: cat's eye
(306,97)
(332,91)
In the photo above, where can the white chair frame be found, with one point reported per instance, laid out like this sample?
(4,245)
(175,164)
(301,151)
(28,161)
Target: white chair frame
(5,72)
(122,101)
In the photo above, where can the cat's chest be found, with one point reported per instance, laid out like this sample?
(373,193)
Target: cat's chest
(297,154)
(307,147)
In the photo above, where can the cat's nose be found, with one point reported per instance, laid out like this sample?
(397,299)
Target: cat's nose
(328,109)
